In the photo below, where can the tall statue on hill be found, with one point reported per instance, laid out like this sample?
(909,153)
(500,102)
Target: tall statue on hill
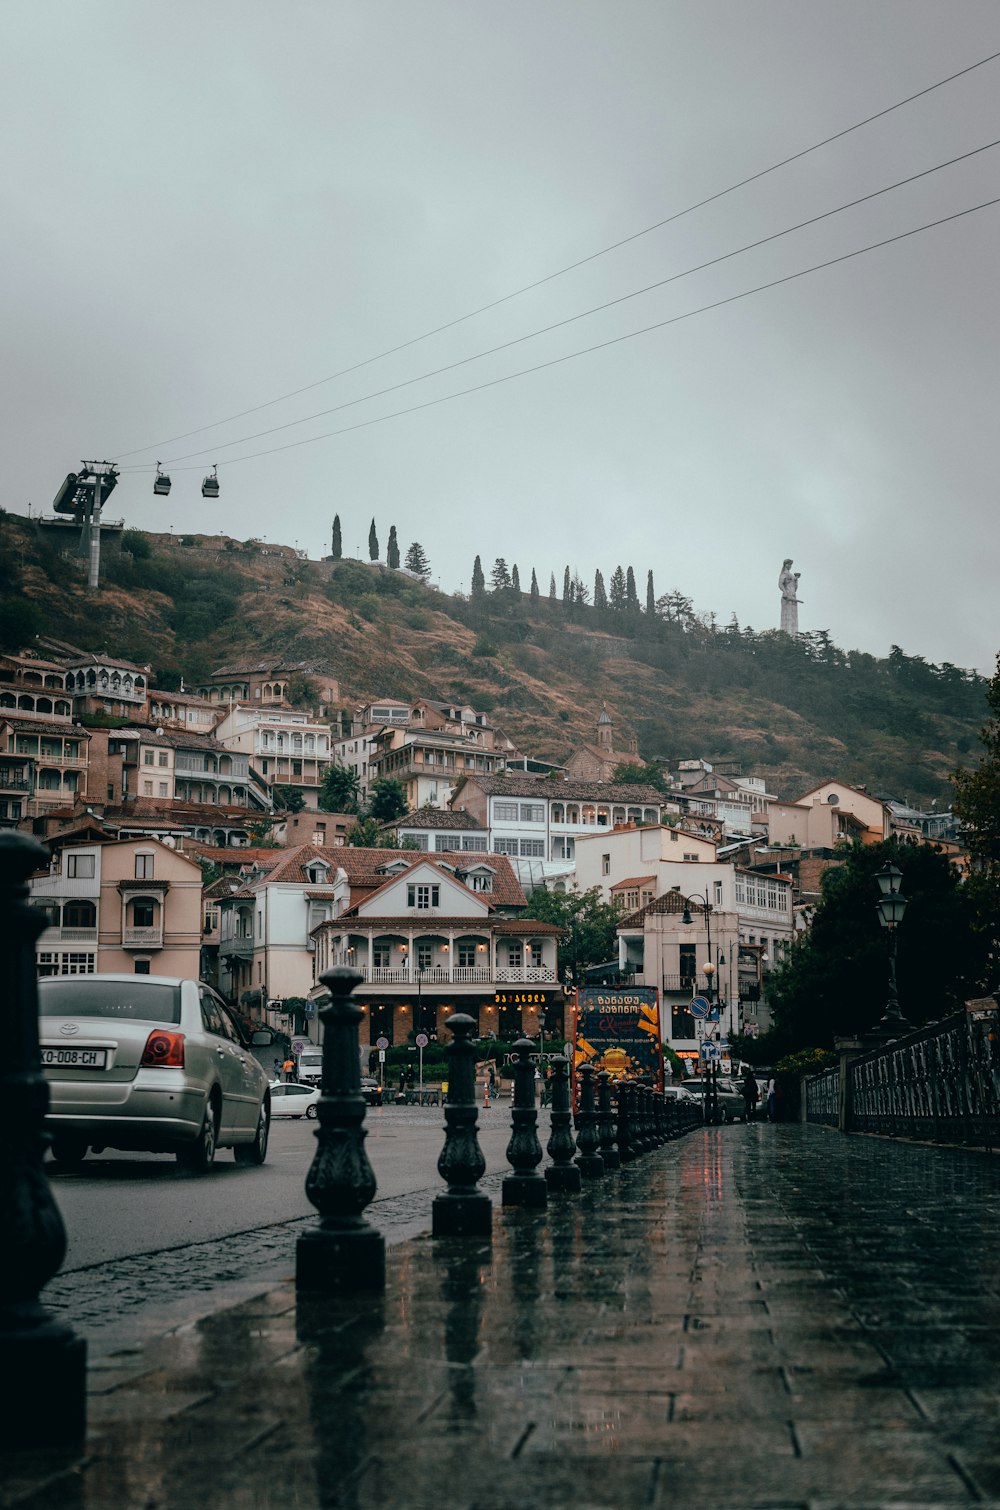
(788,581)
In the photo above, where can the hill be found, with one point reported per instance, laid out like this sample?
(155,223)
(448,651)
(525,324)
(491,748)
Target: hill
(791,710)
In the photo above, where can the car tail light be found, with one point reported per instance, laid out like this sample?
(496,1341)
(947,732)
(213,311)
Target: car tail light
(163,1051)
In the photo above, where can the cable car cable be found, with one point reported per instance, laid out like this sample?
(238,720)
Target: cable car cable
(584,314)
(572,266)
(614,340)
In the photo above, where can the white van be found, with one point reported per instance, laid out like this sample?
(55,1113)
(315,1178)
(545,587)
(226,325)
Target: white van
(309,1065)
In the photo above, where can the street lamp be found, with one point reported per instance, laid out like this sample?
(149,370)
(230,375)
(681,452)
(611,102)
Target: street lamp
(891,907)
(708,970)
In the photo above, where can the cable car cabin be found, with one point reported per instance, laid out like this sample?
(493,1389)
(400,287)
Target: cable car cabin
(162,484)
(210,487)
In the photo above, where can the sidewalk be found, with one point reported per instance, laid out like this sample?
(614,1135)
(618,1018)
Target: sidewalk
(752,1318)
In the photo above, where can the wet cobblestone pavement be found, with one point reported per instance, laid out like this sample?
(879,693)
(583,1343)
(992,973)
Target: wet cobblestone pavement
(760,1318)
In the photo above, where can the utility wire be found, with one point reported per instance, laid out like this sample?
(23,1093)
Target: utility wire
(581,315)
(615,340)
(572,266)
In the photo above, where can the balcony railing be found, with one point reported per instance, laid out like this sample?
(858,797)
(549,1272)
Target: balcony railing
(142,938)
(459,975)
(77,935)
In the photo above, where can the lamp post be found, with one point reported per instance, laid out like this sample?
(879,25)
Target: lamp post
(891,906)
(708,970)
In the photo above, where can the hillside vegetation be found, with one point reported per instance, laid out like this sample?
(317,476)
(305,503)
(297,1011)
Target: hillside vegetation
(793,711)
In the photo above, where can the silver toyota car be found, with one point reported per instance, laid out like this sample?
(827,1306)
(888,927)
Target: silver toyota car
(153,1063)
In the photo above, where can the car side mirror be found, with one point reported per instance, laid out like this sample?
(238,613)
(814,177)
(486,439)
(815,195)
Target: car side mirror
(262,1038)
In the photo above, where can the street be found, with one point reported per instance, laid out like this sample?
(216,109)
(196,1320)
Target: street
(118,1205)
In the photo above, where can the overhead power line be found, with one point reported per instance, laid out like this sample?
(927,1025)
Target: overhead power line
(584,314)
(614,340)
(572,266)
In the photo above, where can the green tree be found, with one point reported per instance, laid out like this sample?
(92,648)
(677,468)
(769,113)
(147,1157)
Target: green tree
(630,773)
(567,593)
(631,596)
(588,926)
(834,979)
(600,592)
(392,549)
(478,579)
(515,580)
(650,595)
(417,562)
(372,543)
(135,542)
(977,805)
(617,590)
(534,588)
(339,792)
(367,834)
(387,799)
(500,576)
(336,544)
(552,587)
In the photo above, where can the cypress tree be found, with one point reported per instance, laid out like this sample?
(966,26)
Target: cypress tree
(392,549)
(552,587)
(616,591)
(336,545)
(534,587)
(515,579)
(478,579)
(567,596)
(650,595)
(600,595)
(372,543)
(631,596)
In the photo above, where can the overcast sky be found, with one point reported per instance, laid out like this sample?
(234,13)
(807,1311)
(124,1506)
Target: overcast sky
(208,206)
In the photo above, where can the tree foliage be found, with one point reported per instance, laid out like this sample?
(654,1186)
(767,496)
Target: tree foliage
(372,543)
(339,792)
(392,549)
(387,799)
(478,579)
(588,924)
(834,978)
(336,542)
(417,562)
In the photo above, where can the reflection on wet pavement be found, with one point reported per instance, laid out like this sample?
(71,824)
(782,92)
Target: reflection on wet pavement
(752,1317)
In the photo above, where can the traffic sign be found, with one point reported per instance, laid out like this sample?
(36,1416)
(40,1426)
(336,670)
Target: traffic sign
(381,1043)
(710,1051)
(422,1040)
(700,1006)
(381,1056)
(298,1044)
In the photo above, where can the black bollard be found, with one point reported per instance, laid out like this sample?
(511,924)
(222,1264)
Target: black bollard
(606,1122)
(562,1174)
(43,1362)
(525,1187)
(463,1211)
(344,1252)
(623,1122)
(588,1132)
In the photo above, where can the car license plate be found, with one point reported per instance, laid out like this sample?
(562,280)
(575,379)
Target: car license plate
(84,1059)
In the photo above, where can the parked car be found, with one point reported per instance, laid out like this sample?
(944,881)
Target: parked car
(371,1090)
(152,1063)
(730,1101)
(294,1100)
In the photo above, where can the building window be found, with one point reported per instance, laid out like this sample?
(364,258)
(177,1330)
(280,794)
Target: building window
(474,843)
(162,758)
(148,757)
(143,913)
(514,956)
(505,846)
(163,788)
(536,956)
(480,883)
(605,865)
(505,812)
(144,867)
(79,915)
(381,954)
(147,789)
(532,812)
(80,866)
(423,897)
(718,893)
(533,849)
(425,956)
(142,967)
(466,956)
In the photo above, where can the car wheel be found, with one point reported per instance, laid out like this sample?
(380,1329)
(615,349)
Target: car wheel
(311,1112)
(68,1151)
(255,1152)
(199,1156)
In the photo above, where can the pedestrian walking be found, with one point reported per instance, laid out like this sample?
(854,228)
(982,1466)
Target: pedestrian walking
(277,1069)
(771,1100)
(289,1069)
(751,1095)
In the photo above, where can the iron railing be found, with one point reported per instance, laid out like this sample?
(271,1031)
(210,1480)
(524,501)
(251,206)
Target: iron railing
(940,1084)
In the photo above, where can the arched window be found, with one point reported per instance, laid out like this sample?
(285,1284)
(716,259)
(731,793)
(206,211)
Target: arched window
(143,911)
(79,914)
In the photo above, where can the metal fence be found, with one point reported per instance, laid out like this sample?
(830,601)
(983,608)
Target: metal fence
(941,1085)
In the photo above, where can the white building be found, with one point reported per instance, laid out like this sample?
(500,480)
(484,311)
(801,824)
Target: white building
(287,748)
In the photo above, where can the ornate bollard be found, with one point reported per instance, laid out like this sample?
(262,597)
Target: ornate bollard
(525,1187)
(463,1211)
(562,1173)
(344,1252)
(588,1132)
(623,1122)
(43,1362)
(606,1122)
